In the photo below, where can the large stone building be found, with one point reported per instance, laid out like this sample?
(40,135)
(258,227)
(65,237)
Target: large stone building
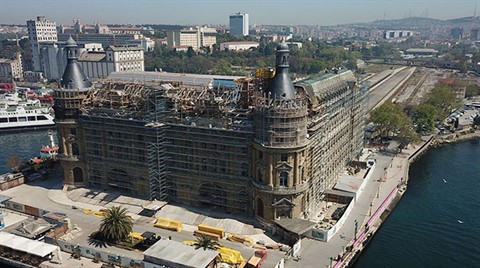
(99,64)
(53,57)
(40,31)
(94,60)
(262,146)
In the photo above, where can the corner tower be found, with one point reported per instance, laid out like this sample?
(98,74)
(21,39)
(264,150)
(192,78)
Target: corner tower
(279,148)
(67,100)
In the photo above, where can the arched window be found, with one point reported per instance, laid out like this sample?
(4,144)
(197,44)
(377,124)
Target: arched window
(260,175)
(259,207)
(77,174)
(284,179)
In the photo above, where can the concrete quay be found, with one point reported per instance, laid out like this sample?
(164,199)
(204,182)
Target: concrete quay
(382,192)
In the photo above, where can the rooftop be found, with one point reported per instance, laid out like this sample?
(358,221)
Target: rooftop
(191,79)
(124,48)
(92,56)
(297,226)
(170,252)
(241,43)
(348,184)
(422,50)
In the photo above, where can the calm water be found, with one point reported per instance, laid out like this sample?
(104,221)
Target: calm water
(26,144)
(423,230)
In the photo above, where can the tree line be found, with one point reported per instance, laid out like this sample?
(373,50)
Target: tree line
(392,119)
(312,57)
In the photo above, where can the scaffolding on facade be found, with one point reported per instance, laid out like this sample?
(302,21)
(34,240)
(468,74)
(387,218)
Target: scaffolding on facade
(156,148)
(281,123)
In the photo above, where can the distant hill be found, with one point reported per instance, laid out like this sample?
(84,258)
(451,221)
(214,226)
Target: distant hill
(464,20)
(407,22)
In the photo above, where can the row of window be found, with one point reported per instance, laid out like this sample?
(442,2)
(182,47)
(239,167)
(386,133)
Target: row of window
(22,119)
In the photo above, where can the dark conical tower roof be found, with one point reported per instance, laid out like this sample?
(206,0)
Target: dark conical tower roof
(281,86)
(73,77)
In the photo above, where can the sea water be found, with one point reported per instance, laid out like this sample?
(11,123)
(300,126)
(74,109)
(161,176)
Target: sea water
(437,222)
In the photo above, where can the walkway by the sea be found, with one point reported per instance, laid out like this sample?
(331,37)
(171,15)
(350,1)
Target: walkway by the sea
(390,172)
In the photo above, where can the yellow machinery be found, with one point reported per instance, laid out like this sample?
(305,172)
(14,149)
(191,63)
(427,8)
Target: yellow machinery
(225,254)
(212,230)
(101,213)
(135,235)
(168,224)
(240,239)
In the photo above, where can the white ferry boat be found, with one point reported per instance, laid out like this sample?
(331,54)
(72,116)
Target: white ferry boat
(30,114)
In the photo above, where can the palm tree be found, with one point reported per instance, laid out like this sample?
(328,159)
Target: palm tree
(206,242)
(116,224)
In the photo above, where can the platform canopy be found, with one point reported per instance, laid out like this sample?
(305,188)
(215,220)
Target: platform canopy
(26,245)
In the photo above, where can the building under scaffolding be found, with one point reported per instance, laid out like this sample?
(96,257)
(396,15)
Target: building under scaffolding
(258,146)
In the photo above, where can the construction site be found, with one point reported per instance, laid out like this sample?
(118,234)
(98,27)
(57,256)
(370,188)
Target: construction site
(260,146)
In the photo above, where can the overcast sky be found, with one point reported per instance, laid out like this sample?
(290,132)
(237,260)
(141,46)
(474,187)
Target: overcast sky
(311,12)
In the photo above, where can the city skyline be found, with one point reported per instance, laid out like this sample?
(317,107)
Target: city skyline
(302,12)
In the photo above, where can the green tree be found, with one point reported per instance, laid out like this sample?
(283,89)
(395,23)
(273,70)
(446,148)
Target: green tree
(424,116)
(390,118)
(206,242)
(443,98)
(407,135)
(116,225)
(472,90)
(190,52)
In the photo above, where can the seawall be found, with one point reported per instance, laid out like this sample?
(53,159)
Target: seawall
(373,225)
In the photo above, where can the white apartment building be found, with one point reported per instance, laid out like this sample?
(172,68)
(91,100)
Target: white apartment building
(239,24)
(397,34)
(40,31)
(126,58)
(235,46)
(11,68)
(146,43)
(192,37)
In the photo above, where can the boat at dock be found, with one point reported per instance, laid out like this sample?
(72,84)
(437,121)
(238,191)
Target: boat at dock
(51,150)
(24,115)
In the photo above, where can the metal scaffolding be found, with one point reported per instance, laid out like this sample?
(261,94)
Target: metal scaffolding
(156,150)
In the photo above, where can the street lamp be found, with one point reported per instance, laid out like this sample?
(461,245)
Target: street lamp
(356,229)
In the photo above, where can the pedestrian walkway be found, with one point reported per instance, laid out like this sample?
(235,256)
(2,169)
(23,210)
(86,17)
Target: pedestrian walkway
(391,170)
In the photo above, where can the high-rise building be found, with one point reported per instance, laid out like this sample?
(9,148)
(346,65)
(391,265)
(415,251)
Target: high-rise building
(40,31)
(239,24)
